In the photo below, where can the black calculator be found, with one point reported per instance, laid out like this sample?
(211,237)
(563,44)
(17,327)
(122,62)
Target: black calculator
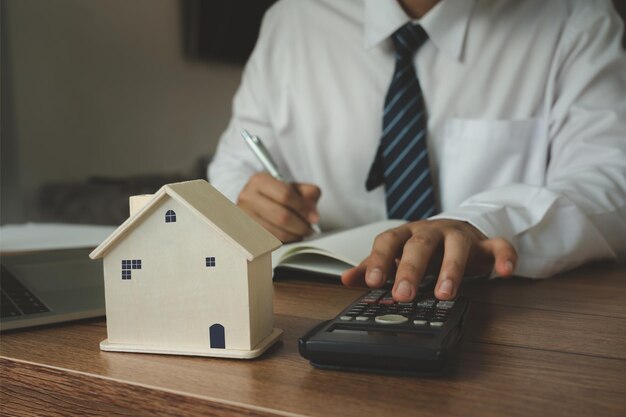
(377,334)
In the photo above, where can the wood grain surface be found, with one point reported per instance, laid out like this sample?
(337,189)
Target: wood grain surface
(552,347)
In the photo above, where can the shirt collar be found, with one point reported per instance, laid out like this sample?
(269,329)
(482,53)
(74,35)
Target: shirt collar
(446,24)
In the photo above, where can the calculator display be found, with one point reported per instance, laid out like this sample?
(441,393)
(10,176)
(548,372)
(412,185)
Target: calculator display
(373,333)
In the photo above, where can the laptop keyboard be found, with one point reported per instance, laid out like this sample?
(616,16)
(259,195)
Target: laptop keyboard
(16,299)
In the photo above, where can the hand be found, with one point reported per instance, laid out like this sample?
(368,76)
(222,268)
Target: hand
(455,247)
(286,210)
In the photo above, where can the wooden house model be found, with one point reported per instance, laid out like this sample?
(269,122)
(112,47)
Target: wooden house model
(189,273)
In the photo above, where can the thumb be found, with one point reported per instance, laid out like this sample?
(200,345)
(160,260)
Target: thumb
(504,255)
(311,194)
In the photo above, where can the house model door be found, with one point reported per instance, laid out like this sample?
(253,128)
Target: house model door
(216,337)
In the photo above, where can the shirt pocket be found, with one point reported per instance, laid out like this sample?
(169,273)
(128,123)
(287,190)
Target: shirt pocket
(479,155)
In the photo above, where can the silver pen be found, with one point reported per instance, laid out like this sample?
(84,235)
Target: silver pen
(262,154)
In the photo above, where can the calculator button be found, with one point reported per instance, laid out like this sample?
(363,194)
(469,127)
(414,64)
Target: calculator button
(345,318)
(426,303)
(420,322)
(387,301)
(362,318)
(445,304)
(391,319)
(436,323)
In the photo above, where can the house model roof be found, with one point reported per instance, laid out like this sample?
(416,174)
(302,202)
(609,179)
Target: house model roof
(211,206)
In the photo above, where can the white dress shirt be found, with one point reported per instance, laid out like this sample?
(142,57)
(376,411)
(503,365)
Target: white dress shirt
(526,117)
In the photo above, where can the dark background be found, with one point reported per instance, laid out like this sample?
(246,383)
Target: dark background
(222,29)
(620,5)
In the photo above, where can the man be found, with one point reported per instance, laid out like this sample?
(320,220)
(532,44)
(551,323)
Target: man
(523,104)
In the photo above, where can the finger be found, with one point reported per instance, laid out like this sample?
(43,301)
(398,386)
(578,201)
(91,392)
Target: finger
(504,254)
(457,246)
(386,248)
(283,235)
(287,196)
(281,217)
(311,195)
(416,255)
(309,192)
(263,189)
(355,277)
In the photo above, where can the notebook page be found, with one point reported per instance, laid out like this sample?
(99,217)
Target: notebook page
(348,246)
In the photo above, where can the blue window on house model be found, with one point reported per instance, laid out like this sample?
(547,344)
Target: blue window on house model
(128,265)
(170,216)
(210,261)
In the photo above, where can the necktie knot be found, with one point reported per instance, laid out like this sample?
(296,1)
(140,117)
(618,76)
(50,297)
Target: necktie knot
(408,39)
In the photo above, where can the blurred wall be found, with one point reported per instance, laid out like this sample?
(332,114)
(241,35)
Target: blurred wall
(101,87)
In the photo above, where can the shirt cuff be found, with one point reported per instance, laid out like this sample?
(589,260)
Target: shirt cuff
(478,216)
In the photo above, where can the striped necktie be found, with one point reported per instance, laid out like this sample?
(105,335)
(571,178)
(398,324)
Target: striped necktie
(402,159)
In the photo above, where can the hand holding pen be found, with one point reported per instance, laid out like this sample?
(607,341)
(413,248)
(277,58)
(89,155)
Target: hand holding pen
(287,210)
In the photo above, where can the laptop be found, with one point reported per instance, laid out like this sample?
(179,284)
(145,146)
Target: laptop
(50,287)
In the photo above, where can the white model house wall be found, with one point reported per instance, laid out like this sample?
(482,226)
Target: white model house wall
(261,297)
(173,299)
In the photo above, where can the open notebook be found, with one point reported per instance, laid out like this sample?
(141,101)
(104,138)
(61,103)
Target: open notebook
(333,253)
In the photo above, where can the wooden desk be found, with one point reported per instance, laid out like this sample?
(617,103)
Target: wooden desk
(533,348)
